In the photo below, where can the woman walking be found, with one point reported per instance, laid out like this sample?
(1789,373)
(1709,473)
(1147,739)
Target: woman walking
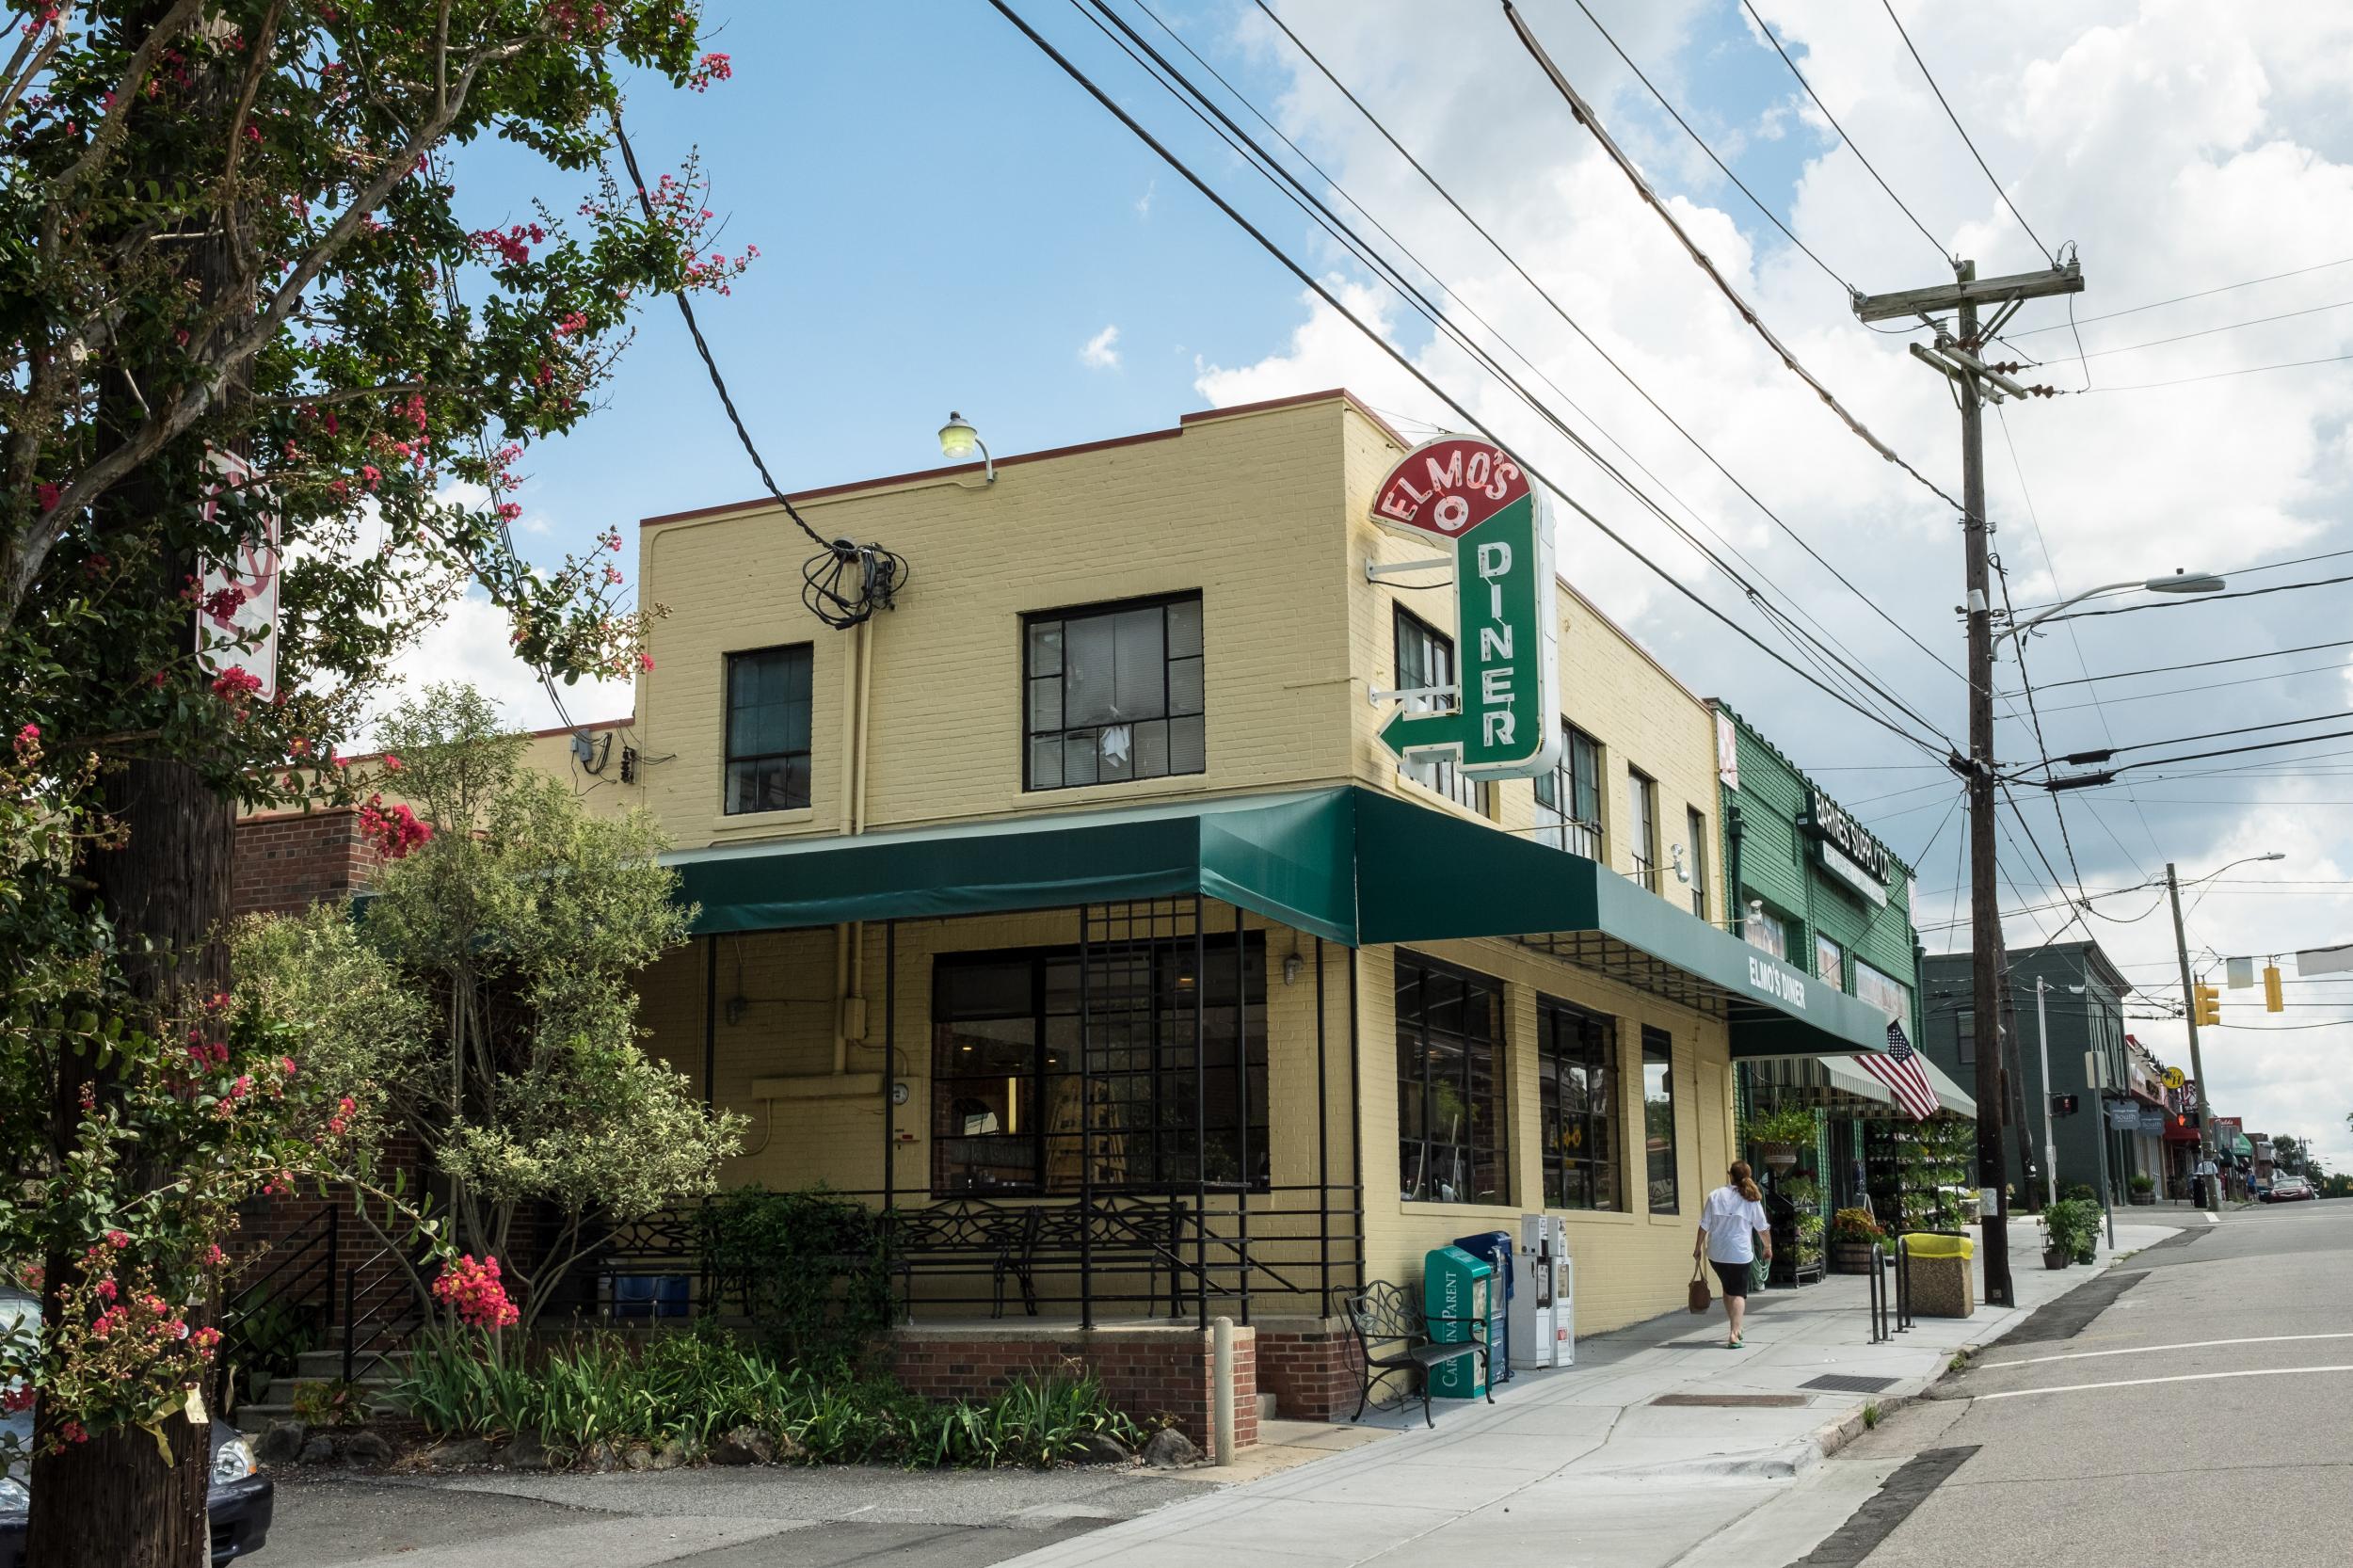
(1730,1223)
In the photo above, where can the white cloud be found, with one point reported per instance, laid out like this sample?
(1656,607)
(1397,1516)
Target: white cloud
(1143,202)
(471,645)
(1100,352)
(2182,144)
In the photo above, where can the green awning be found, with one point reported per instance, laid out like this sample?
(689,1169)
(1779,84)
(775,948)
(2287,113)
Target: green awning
(1831,1083)
(1286,856)
(1350,864)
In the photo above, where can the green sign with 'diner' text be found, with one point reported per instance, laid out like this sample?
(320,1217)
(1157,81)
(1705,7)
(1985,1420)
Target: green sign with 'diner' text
(1498,718)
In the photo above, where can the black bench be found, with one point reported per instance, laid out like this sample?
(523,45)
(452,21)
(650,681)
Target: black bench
(1381,1314)
(1117,1233)
(964,1236)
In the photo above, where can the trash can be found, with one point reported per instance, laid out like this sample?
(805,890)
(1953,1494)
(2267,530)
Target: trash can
(1494,1249)
(1943,1283)
(1456,1291)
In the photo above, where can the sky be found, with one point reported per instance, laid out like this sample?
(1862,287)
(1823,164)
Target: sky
(946,220)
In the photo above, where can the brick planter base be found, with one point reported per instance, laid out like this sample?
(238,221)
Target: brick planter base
(1311,1365)
(1148,1370)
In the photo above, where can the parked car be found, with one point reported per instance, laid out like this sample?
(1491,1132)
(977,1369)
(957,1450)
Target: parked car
(2291,1189)
(239,1503)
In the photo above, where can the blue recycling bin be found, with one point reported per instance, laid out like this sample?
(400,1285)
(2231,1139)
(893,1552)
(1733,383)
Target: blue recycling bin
(1456,1291)
(1494,1248)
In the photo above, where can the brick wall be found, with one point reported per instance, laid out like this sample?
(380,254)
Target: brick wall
(1312,1367)
(288,861)
(1148,1371)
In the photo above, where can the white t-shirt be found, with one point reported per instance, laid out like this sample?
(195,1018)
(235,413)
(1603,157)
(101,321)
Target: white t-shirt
(1732,1222)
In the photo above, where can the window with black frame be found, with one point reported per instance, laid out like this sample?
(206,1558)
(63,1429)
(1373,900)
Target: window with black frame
(1641,792)
(768,709)
(1695,829)
(1568,799)
(1113,692)
(1576,1089)
(1452,1145)
(1658,1119)
(1011,1114)
(1425,658)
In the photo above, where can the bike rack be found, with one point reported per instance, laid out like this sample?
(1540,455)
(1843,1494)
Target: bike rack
(1879,1294)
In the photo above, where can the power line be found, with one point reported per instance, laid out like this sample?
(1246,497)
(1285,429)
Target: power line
(1934,241)
(2207,686)
(2210,331)
(2216,375)
(2193,756)
(1586,117)
(1355,243)
(2186,600)
(2193,664)
(1323,292)
(1574,325)
(2158,304)
(1964,134)
(1174,82)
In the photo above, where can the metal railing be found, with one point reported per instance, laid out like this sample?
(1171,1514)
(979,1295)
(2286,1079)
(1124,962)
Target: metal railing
(267,1315)
(386,1316)
(1878,1301)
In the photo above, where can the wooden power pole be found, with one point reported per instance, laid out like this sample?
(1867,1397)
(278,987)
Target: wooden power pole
(1960,355)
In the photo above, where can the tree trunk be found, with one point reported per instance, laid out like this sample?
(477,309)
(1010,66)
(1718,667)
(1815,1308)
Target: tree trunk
(111,1502)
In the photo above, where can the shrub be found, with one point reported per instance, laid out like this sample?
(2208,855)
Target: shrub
(1856,1224)
(2144,1184)
(603,1388)
(1791,1124)
(812,1269)
(2074,1224)
(336,1402)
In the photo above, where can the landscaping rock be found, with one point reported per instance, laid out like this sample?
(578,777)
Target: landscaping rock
(366,1448)
(674,1454)
(316,1450)
(526,1452)
(282,1443)
(600,1457)
(743,1445)
(639,1457)
(457,1453)
(1100,1447)
(1170,1449)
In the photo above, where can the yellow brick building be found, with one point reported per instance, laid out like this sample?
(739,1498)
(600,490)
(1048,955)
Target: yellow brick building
(1076,896)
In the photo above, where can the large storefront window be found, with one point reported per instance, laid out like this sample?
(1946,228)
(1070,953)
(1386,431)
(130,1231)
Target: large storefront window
(1452,1143)
(1658,1119)
(1883,991)
(1576,1089)
(1007,1093)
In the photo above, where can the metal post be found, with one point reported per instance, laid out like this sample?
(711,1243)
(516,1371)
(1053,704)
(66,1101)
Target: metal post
(2050,1139)
(1200,1110)
(711,1017)
(2093,1076)
(1086,1124)
(1242,1106)
(1222,1389)
(1356,1130)
(2209,1199)
(890,1063)
(1323,1149)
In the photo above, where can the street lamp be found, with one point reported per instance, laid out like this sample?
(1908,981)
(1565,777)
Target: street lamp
(2189,1005)
(957,438)
(2179,582)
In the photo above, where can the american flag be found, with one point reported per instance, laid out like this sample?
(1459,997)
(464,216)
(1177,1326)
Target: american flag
(1899,1068)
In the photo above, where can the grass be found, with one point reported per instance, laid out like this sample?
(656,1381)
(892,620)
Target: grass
(1870,1415)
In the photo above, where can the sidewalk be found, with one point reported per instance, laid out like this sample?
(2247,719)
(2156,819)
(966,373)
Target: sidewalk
(1582,1465)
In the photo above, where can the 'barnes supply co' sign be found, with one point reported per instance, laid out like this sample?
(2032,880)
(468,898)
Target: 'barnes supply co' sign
(1498,719)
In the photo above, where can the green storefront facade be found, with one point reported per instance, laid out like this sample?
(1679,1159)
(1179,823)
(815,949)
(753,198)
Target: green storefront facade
(1815,888)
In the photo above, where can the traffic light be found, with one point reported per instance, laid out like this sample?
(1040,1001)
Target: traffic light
(2063,1105)
(2209,1006)
(2273,1001)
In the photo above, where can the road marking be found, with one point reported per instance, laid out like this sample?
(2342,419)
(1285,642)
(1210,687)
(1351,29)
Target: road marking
(2151,1350)
(2214,1219)
(2185,1377)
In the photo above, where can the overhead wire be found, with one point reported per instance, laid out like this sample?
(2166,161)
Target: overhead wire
(1339,307)
(1947,108)
(1609,359)
(2207,686)
(2192,664)
(2184,601)
(1585,116)
(2180,298)
(1348,240)
(2210,331)
(2216,375)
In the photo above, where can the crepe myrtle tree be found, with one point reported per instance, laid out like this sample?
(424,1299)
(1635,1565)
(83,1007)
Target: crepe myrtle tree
(485,996)
(244,319)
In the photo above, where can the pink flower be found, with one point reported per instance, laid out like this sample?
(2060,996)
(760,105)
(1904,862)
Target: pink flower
(645,661)
(473,1292)
(47,495)
(392,763)
(118,1240)
(105,1289)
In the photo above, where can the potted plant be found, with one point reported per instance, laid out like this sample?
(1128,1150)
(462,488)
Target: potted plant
(2071,1233)
(1809,1250)
(2144,1189)
(1777,1135)
(1852,1233)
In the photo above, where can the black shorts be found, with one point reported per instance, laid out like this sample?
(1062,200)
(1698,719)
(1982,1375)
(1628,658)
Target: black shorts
(1732,1277)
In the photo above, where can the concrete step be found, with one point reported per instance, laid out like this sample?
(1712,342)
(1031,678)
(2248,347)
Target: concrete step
(1266,1407)
(257,1416)
(325,1366)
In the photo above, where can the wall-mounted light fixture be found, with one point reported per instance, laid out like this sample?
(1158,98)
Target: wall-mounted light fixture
(957,438)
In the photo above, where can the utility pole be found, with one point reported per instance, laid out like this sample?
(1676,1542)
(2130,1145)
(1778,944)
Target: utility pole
(2050,1139)
(1959,359)
(2197,1062)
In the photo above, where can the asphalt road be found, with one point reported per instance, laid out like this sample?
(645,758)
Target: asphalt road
(2195,1403)
(715,1518)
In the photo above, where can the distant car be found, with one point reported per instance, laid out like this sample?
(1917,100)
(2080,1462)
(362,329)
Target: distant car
(2291,1189)
(239,1504)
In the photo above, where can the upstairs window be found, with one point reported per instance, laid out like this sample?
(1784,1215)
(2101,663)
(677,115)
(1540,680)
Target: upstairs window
(1568,799)
(1695,830)
(768,729)
(1425,658)
(1641,792)
(1113,692)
